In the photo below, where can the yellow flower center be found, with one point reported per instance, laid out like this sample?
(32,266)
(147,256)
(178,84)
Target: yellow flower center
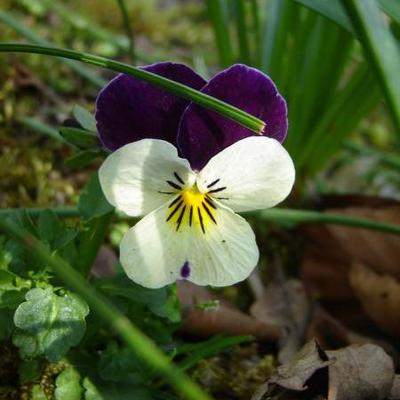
(191,208)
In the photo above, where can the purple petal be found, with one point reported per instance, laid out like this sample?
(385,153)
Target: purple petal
(203,133)
(128,109)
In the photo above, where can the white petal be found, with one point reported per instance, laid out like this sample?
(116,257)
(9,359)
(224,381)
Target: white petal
(135,177)
(256,173)
(154,253)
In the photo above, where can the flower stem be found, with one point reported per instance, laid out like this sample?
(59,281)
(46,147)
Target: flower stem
(274,214)
(315,217)
(133,337)
(236,114)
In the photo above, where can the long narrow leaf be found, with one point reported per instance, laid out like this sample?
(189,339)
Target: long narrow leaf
(240,14)
(331,9)
(220,24)
(380,47)
(128,28)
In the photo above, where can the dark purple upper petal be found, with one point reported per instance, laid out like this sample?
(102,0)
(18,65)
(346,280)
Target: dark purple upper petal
(203,133)
(128,109)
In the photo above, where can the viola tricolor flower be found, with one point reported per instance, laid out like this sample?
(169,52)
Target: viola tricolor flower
(187,170)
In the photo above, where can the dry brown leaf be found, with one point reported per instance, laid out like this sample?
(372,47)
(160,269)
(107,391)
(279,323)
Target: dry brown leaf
(294,374)
(287,307)
(354,373)
(332,249)
(360,373)
(395,390)
(379,296)
(225,318)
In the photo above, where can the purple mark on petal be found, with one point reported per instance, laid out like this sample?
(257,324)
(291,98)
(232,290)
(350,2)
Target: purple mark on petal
(185,270)
(128,109)
(204,133)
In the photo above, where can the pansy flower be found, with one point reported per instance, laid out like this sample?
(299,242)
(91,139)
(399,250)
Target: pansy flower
(187,170)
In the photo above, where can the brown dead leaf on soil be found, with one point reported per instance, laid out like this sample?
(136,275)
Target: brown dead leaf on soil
(332,249)
(354,373)
(360,373)
(379,296)
(286,306)
(224,318)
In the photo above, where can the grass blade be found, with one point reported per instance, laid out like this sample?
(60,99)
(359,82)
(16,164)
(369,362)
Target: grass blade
(240,14)
(9,20)
(234,113)
(331,9)
(256,30)
(220,23)
(128,28)
(381,49)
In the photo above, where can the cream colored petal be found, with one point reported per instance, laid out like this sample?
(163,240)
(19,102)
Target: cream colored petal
(155,253)
(135,177)
(253,173)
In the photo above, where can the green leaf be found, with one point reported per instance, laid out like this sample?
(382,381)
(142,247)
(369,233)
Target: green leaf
(83,158)
(162,302)
(391,8)
(218,16)
(37,393)
(68,385)
(85,118)
(91,391)
(80,138)
(6,324)
(380,47)
(92,203)
(49,324)
(30,370)
(202,350)
(331,9)
(12,288)
(119,364)
(52,231)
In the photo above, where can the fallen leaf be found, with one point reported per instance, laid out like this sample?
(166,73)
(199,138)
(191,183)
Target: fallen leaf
(220,317)
(379,296)
(395,390)
(360,373)
(330,250)
(287,307)
(294,374)
(354,373)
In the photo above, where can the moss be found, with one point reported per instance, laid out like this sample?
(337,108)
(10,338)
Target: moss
(235,374)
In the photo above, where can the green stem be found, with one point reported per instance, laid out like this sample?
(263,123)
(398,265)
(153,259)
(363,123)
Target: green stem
(243,118)
(140,344)
(128,28)
(274,214)
(315,217)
